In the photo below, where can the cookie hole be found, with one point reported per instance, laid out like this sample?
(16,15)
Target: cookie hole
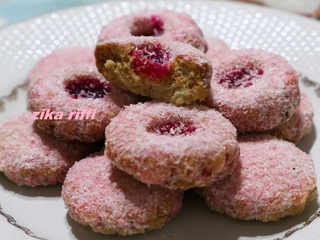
(86,87)
(152,26)
(239,76)
(172,128)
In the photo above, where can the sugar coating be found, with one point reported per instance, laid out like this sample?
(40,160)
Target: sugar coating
(299,125)
(175,27)
(215,46)
(274,179)
(31,158)
(269,99)
(47,91)
(188,78)
(60,58)
(172,160)
(111,201)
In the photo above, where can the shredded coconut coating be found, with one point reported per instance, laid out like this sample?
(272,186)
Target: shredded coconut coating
(31,158)
(176,27)
(187,81)
(47,91)
(216,46)
(270,100)
(172,159)
(60,58)
(299,125)
(111,201)
(274,179)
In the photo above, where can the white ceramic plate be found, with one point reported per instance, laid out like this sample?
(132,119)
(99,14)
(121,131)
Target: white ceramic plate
(42,211)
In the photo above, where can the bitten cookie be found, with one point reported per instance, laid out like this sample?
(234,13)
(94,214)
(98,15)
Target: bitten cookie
(169,71)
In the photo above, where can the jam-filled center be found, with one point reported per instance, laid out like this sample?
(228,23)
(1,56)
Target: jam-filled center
(87,87)
(151,60)
(239,76)
(152,26)
(173,128)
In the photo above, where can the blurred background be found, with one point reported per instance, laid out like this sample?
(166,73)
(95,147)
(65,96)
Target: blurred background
(13,11)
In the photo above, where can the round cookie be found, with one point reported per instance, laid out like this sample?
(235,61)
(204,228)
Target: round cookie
(75,102)
(274,179)
(166,24)
(216,46)
(175,147)
(32,158)
(59,59)
(168,71)
(256,90)
(299,125)
(111,201)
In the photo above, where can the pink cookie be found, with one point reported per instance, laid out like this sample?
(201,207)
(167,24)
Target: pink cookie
(216,46)
(299,125)
(76,101)
(168,71)
(110,201)
(274,179)
(166,24)
(32,158)
(256,90)
(59,59)
(175,147)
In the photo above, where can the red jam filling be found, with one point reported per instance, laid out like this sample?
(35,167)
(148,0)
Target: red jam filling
(173,128)
(240,76)
(87,87)
(151,61)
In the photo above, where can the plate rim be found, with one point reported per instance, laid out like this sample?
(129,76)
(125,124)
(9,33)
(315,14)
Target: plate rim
(83,7)
(264,8)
